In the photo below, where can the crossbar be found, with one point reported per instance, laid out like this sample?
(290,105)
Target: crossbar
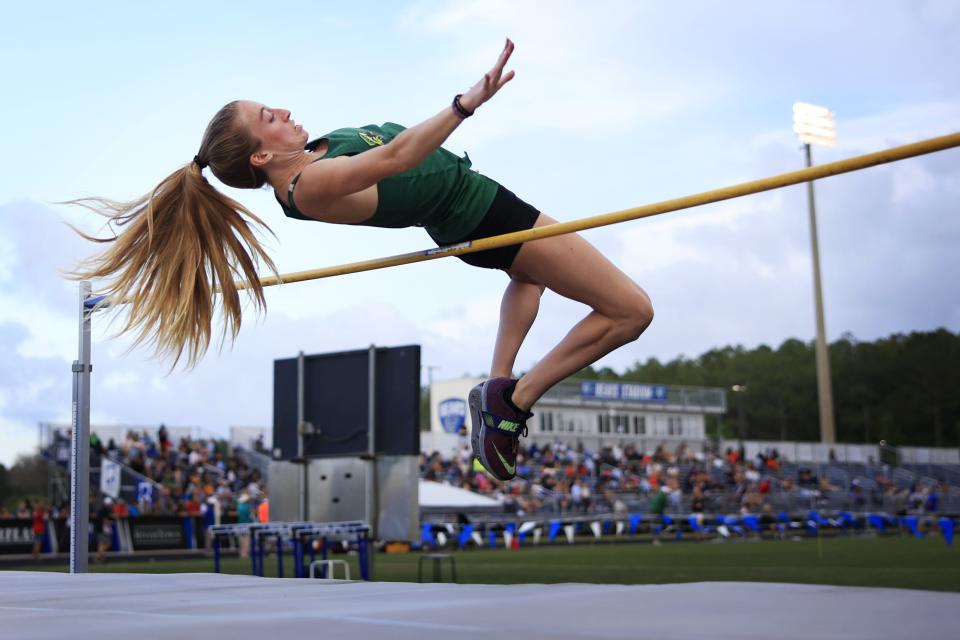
(779,181)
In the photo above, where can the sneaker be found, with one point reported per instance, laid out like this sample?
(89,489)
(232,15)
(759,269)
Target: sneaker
(496,427)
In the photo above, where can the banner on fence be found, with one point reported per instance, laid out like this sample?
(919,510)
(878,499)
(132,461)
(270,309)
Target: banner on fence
(109,478)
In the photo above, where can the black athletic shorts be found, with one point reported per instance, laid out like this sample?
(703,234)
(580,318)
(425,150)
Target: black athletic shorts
(507,213)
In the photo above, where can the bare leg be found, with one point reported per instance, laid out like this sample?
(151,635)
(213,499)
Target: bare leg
(573,268)
(518,310)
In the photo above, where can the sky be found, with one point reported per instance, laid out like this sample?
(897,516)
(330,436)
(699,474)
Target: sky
(615,104)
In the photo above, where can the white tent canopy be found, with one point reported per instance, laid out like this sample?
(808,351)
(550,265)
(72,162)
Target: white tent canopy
(435,494)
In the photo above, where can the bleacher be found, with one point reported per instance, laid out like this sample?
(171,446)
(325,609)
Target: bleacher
(169,475)
(742,499)
(543,483)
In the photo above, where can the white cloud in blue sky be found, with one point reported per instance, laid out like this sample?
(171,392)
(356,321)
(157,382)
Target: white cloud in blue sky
(615,104)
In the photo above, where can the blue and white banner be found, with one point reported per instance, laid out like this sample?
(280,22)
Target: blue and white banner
(144,492)
(109,478)
(453,414)
(618,391)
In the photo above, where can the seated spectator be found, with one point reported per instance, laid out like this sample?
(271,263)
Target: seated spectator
(931,503)
(752,502)
(857,496)
(193,507)
(698,501)
(164,504)
(773,462)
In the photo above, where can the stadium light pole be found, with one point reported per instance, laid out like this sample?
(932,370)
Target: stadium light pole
(740,389)
(815,125)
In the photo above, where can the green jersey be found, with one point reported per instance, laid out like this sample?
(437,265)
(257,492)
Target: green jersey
(441,194)
(658,504)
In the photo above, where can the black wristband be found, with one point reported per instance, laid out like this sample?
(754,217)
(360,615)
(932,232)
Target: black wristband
(459,109)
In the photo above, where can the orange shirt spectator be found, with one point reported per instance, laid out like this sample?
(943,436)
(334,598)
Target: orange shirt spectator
(263,511)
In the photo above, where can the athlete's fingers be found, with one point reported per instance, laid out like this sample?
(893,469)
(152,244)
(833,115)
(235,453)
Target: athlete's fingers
(504,56)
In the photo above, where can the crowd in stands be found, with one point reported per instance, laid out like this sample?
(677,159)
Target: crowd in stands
(201,477)
(206,478)
(558,478)
(37,513)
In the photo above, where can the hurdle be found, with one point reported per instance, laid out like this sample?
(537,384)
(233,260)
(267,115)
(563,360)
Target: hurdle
(329,565)
(89,303)
(301,536)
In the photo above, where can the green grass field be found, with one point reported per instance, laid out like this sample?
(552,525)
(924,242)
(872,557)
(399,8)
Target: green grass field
(902,562)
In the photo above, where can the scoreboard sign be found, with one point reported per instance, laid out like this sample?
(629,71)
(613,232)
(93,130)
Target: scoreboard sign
(623,391)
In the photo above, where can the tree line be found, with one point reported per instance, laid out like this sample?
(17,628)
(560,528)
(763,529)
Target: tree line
(904,389)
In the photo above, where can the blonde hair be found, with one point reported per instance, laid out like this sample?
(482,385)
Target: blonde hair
(183,244)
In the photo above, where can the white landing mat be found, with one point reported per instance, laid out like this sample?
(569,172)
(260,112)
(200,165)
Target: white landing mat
(152,606)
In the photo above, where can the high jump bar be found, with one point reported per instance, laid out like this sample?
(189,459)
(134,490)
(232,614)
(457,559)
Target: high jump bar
(815,172)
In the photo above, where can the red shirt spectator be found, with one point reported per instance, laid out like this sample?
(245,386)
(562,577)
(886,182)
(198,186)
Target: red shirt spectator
(39,521)
(193,507)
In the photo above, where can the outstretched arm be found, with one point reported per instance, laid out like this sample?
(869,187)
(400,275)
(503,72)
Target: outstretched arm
(325,182)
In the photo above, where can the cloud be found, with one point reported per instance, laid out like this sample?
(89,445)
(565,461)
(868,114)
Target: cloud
(580,69)
(32,390)
(39,247)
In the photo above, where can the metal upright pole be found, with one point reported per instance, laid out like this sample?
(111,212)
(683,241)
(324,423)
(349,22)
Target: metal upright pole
(741,425)
(301,425)
(80,442)
(373,493)
(824,392)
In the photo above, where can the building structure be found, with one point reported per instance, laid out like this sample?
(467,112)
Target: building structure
(595,413)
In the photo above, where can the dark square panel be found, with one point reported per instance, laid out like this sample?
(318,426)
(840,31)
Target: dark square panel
(336,403)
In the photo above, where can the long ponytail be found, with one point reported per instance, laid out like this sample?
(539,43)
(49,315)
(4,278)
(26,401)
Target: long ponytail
(178,248)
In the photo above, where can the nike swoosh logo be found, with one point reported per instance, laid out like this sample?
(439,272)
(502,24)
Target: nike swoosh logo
(511,468)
